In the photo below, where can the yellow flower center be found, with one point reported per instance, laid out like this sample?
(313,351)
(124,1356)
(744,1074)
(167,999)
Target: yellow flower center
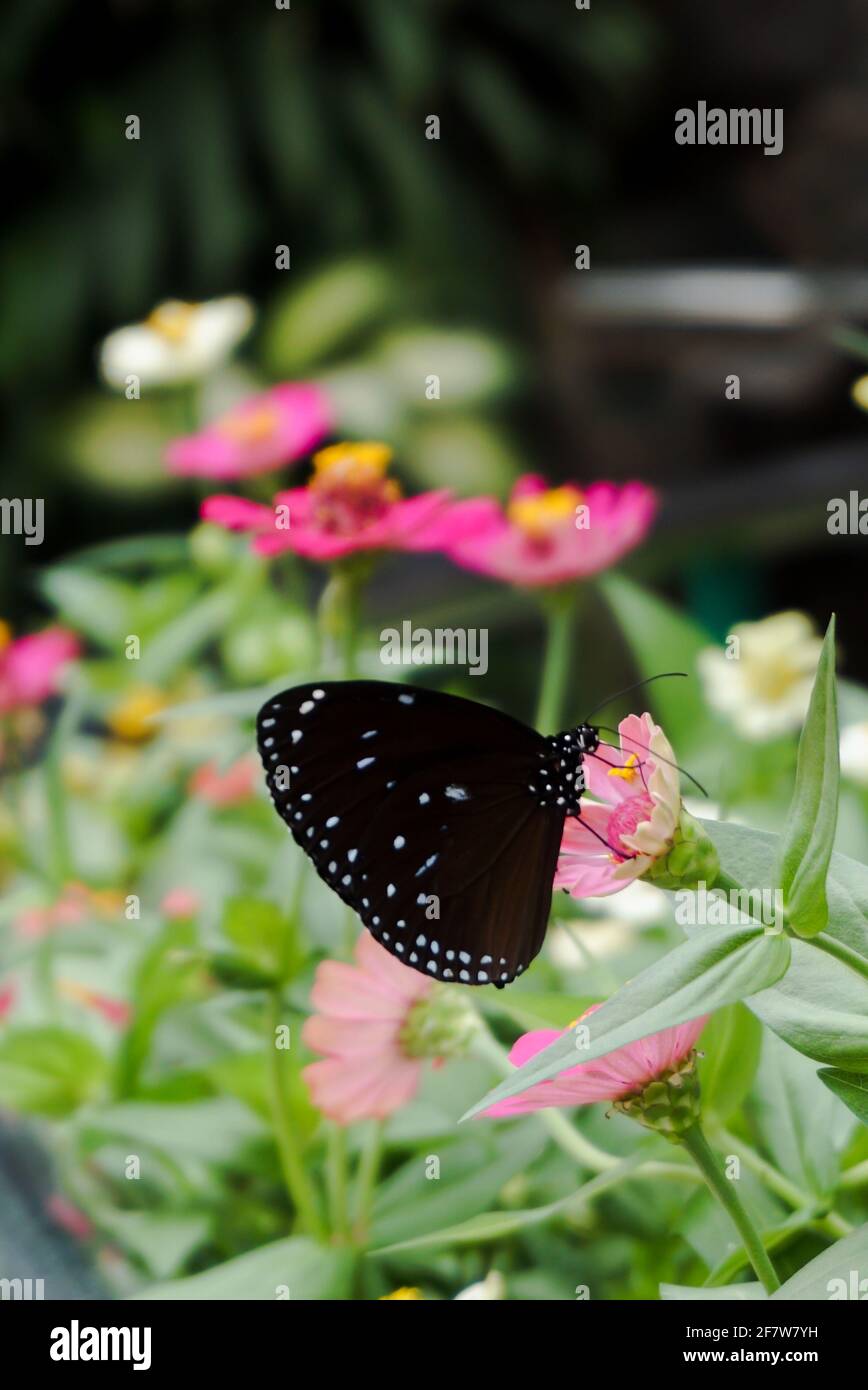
(172,319)
(5,635)
(628,771)
(350,486)
(539,514)
(251,427)
(131,717)
(401,1294)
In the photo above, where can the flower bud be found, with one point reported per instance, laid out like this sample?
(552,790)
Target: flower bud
(692,859)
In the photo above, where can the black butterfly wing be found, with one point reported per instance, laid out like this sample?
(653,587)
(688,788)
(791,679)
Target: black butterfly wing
(417,808)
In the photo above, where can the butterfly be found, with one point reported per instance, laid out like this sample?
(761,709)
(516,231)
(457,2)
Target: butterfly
(437,819)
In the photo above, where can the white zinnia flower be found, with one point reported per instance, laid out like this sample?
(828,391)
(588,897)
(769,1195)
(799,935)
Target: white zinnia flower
(177,342)
(762,682)
(854,753)
(491,1287)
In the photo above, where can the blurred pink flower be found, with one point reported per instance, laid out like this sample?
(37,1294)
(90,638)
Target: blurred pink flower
(69,1217)
(180,903)
(349,505)
(362,1010)
(237,784)
(8,995)
(633,819)
(30,666)
(70,907)
(624,1072)
(551,536)
(115,1011)
(262,433)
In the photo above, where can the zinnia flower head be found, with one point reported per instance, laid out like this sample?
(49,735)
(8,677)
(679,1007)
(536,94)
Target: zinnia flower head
(634,816)
(30,667)
(550,536)
(177,342)
(376,1023)
(262,433)
(350,505)
(652,1079)
(762,681)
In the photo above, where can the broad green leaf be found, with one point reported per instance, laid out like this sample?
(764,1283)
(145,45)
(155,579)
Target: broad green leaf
(731,1293)
(806,844)
(731,1043)
(97,605)
(840,1273)
(297,1269)
(325,315)
(215,1130)
(163,1241)
(663,639)
(796,1117)
(262,935)
(472,1173)
(49,1071)
(716,966)
(820,1006)
(850,1088)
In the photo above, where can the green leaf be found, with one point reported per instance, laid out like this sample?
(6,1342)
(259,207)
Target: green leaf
(49,1071)
(731,1043)
(263,936)
(214,1130)
(850,1088)
(305,1270)
(163,1241)
(732,1293)
(819,1007)
(662,639)
(840,1273)
(809,835)
(796,1117)
(99,606)
(716,966)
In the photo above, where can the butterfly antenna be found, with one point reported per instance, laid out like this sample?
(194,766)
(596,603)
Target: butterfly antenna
(658,757)
(664,675)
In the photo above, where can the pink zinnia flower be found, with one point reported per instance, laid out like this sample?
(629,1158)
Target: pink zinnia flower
(634,818)
(30,667)
(114,1011)
(624,1072)
(237,784)
(8,995)
(551,536)
(349,505)
(262,433)
(362,1011)
(180,903)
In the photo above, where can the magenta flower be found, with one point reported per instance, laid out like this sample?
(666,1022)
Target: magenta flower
(362,1012)
(30,667)
(634,819)
(349,505)
(262,433)
(625,1072)
(550,536)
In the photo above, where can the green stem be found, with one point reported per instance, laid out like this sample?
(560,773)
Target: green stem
(336,1178)
(720,1187)
(366,1178)
(855,1176)
(298,1186)
(840,952)
(556,663)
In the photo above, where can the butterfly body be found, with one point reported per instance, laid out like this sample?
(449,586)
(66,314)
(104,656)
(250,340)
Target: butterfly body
(437,819)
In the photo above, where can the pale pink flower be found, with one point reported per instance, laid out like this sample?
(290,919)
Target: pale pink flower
(114,1011)
(349,505)
(262,433)
(30,667)
(362,1011)
(229,788)
(180,903)
(633,817)
(624,1072)
(8,996)
(550,536)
